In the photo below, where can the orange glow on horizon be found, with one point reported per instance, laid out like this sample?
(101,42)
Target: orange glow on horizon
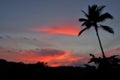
(30,56)
(58,58)
(53,57)
(75,59)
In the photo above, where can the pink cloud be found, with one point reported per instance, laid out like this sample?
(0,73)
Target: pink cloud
(112,51)
(52,56)
(115,51)
(64,29)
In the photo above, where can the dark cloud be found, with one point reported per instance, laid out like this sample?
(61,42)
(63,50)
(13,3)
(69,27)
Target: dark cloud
(25,38)
(1,37)
(49,52)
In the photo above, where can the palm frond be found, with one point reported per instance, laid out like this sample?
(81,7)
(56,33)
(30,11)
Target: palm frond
(101,8)
(82,19)
(94,7)
(93,12)
(105,16)
(85,13)
(93,56)
(107,28)
(83,24)
(82,31)
(87,24)
(112,57)
(90,12)
(89,9)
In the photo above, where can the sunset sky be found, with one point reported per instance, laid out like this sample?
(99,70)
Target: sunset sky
(46,30)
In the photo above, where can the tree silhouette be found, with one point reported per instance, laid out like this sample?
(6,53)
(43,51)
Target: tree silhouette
(93,18)
(108,63)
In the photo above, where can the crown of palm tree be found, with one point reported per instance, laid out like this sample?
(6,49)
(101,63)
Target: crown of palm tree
(95,16)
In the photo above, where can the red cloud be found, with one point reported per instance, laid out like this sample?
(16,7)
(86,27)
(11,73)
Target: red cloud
(65,29)
(44,55)
(56,57)
(52,56)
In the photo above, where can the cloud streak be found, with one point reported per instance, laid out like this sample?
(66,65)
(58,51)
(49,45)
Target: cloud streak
(52,56)
(113,51)
(61,28)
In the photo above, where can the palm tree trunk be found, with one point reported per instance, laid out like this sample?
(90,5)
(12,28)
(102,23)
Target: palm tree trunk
(103,54)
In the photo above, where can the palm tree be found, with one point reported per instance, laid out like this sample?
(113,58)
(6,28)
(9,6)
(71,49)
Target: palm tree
(93,18)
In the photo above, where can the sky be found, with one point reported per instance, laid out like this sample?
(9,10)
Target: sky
(46,31)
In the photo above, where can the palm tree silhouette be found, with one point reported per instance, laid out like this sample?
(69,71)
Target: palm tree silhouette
(93,18)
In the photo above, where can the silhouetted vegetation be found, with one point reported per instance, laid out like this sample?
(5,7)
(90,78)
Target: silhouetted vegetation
(106,64)
(40,70)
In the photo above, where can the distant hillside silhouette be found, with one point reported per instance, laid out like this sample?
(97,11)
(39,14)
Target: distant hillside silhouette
(40,71)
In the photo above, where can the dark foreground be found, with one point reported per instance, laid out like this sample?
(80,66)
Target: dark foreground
(40,71)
